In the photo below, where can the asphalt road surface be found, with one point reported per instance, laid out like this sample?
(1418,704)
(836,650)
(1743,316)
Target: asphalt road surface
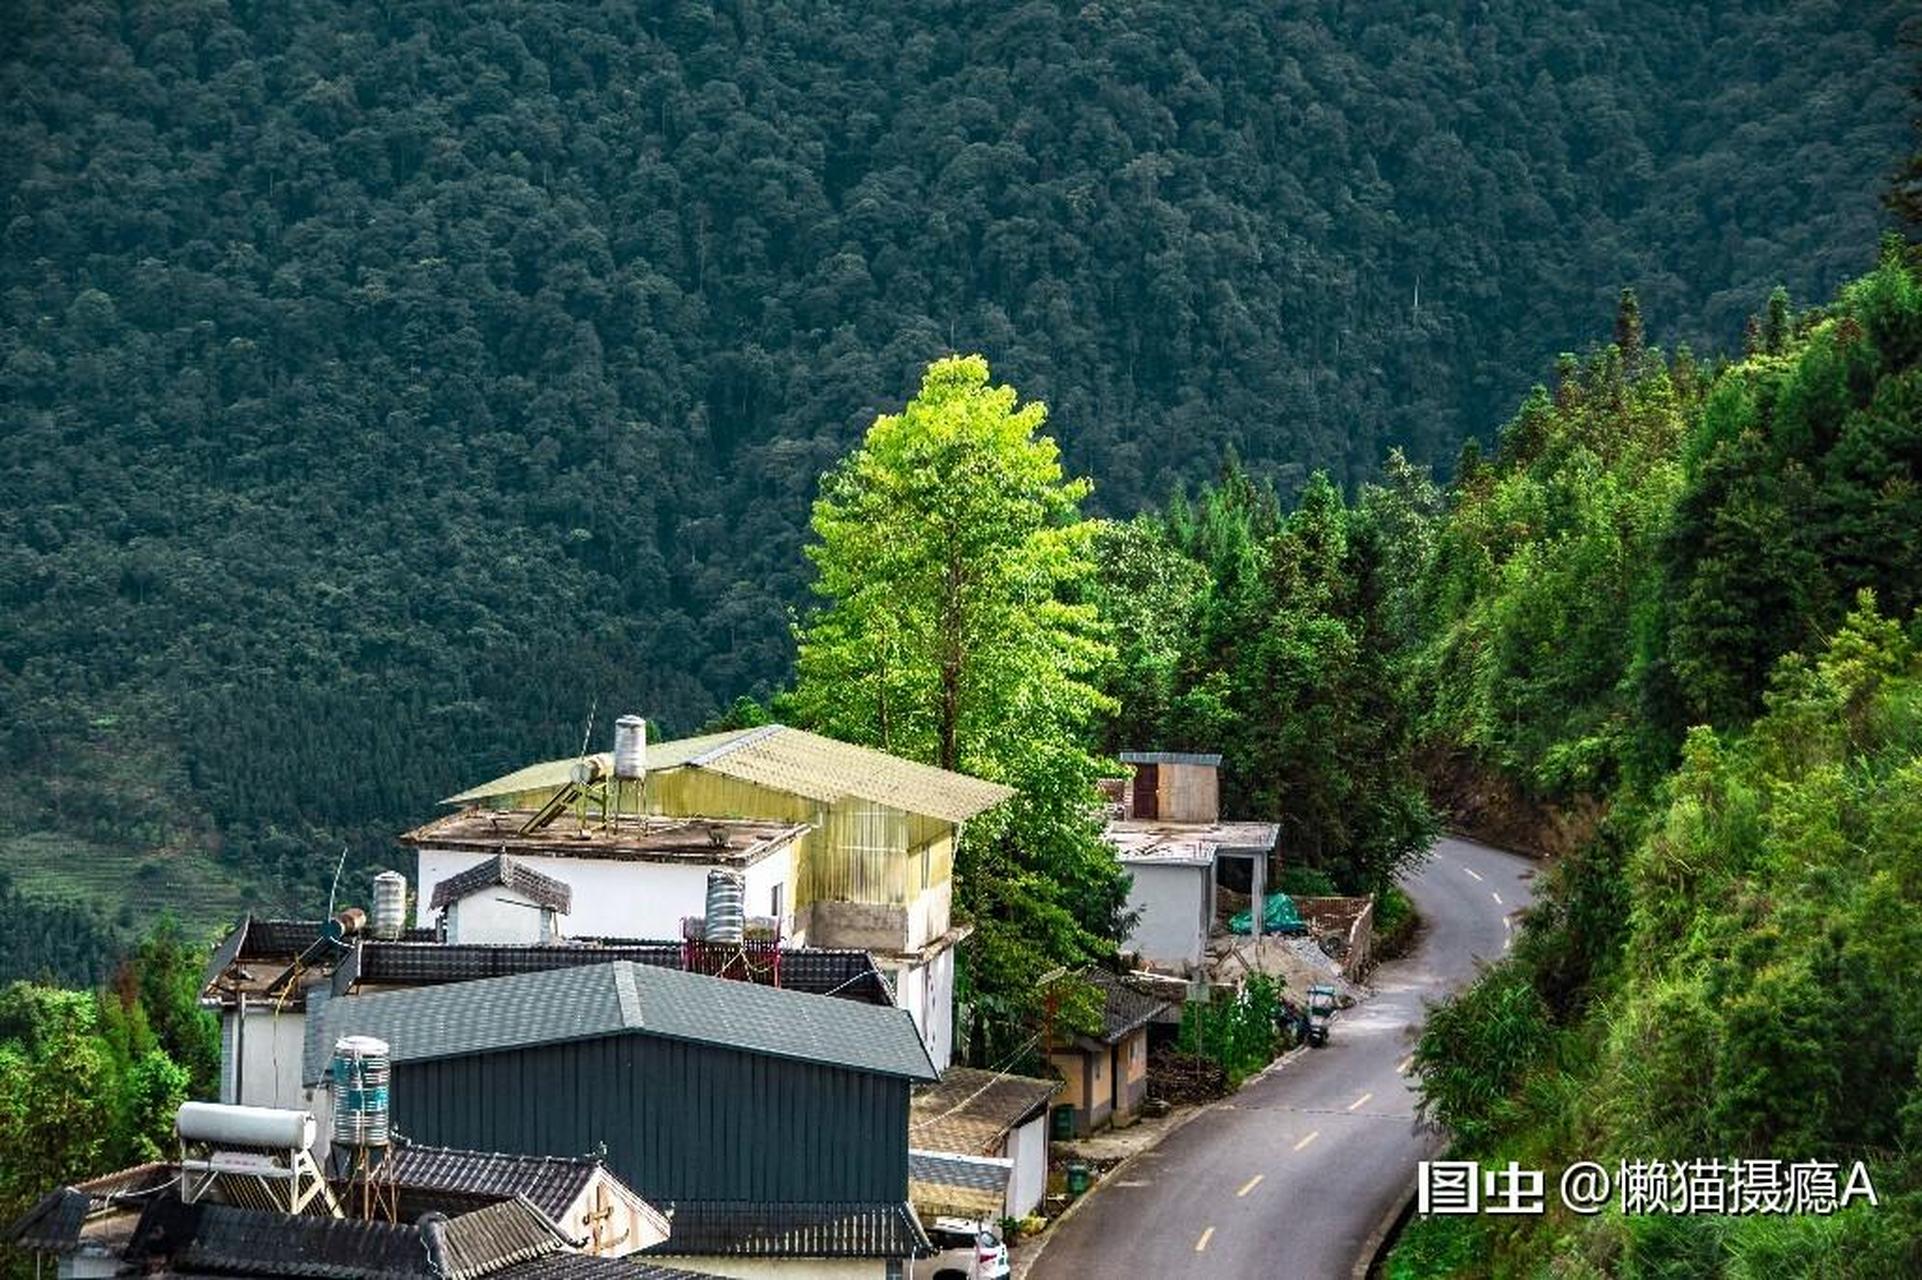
(1289,1177)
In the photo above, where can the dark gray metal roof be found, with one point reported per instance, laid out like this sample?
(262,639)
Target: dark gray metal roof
(508,873)
(749,1229)
(620,998)
(1171,757)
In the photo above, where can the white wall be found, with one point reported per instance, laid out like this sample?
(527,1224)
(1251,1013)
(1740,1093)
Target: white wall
(776,868)
(499,914)
(1174,903)
(937,1025)
(621,899)
(1027,1147)
(260,1060)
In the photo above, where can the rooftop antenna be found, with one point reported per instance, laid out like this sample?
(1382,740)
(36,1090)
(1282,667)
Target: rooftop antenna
(336,885)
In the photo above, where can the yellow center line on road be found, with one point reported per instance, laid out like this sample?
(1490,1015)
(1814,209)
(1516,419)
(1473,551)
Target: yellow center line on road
(1249,1185)
(1406,1063)
(1359,1101)
(1310,1138)
(1496,896)
(1471,871)
(1201,1245)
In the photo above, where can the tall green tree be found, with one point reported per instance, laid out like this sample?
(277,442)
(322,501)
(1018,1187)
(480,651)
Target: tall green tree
(952,559)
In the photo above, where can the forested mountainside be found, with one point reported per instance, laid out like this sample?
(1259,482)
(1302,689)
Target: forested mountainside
(386,384)
(1686,610)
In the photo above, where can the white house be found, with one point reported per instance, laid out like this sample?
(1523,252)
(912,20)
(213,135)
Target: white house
(1169,837)
(839,845)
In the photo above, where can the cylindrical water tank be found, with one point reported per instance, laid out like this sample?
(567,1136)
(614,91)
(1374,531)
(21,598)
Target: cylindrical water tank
(359,1073)
(630,747)
(726,906)
(390,904)
(265,1128)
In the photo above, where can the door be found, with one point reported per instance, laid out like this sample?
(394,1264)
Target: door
(1147,785)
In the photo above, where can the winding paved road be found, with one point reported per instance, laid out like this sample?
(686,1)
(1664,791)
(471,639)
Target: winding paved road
(1287,1179)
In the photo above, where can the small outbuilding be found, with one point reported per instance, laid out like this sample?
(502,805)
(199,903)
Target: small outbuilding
(1106,1074)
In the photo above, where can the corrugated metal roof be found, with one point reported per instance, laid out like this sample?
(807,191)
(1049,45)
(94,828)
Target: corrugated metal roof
(750,1229)
(942,1184)
(970,1111)
(509,873)
(622,997)
(554,773)
(1171,757)
(793,761)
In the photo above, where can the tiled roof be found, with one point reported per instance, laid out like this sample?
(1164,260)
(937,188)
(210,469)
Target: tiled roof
(508,873)
(1125,1008)
(794,761)
(747,1229)
(483,1241)
(843,972)
(942,1184)
(970,1111)
(621,997)
(58,1221)
(224,1239)
(580,1266)
(552,1183)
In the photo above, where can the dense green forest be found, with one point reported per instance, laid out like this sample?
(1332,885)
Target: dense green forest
(1678,610)
(384,385)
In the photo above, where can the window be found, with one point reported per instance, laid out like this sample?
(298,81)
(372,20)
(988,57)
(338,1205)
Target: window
(774,899)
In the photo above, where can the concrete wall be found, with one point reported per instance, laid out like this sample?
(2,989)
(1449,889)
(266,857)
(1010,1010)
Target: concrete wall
(499,914)
(621,899)
(1131,1074)
(1027,1147)
(926,991)
(260,1058)
(1175,903)
(625,1229)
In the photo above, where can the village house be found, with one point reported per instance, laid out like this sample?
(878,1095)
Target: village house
(979,1145)
(267,976)
(836,845)
(1168,835)
(1106,1073)
(769,1125)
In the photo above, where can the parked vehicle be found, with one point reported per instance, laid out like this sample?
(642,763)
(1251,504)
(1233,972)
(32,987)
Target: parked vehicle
(1321,1008)
(968,1251)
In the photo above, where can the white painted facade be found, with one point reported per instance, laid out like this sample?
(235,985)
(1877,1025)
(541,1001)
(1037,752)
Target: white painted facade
(926,991)
(260,1056)
(500,914)
(1176,901)
(622,898)
(1027,1148)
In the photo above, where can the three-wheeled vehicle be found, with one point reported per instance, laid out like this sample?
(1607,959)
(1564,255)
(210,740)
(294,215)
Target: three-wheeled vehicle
(1321,1008)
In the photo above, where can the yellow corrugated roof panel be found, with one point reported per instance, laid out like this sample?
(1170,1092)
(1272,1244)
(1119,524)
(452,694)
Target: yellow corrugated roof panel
(794,761)
(829,770)
(549,774)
